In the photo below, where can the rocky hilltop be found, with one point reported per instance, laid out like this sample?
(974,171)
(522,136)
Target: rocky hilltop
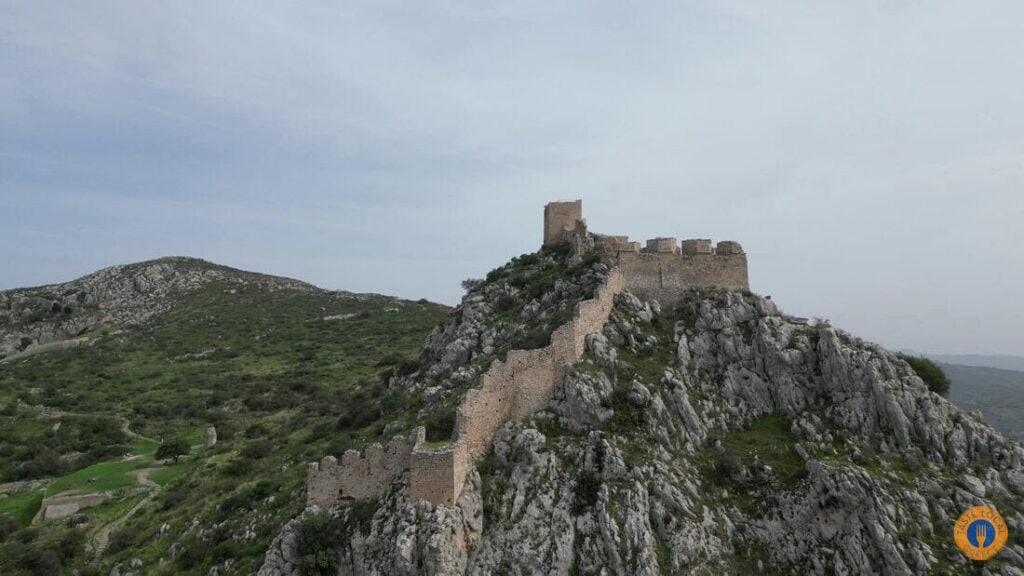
(716,435)
(38,319)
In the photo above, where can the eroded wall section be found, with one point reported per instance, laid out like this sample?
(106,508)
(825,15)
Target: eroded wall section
(329,481)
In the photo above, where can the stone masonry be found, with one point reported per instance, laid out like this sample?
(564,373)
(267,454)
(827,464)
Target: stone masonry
(662,268)
(509,390)
(524,382)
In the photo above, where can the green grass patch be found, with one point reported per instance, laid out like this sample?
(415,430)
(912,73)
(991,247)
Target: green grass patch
(770,440)
(22,507)
(110,511)
(100,477)
(168,474)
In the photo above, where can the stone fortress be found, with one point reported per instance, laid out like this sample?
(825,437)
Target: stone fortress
(525,381)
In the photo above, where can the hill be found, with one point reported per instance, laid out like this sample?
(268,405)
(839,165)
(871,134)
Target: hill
(1001,361)
(160,350)
(709,434)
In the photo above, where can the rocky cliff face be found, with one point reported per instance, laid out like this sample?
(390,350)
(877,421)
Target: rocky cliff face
(718,436)
(33,318)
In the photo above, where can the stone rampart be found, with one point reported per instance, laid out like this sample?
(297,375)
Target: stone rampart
(510,390)
(525,381)
(662,276)
(329,481)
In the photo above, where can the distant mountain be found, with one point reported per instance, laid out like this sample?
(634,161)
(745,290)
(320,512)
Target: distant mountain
(1003,361)
(997,393)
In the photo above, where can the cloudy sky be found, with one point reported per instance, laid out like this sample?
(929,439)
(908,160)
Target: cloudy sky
(869,156)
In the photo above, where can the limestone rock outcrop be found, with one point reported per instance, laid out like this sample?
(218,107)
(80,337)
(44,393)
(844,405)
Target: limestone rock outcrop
(718,435)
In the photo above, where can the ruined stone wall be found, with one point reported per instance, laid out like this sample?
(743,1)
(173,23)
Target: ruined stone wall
(525,381)
(438,475)
(357,476)
(661,276)
(510,390)
(560,217)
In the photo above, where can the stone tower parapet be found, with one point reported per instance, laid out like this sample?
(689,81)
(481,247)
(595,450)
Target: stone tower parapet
(559,218)
(663,269)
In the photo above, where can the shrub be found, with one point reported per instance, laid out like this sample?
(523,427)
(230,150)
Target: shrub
(440,426)
(8,526)
(727,468)
(588,488)
(317,536)
(930,372)
(121,540)
(258,449)
(175,448)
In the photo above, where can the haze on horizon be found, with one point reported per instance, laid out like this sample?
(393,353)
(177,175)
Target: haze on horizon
(868,156)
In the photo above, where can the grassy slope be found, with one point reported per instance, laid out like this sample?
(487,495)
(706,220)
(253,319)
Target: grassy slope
(260,364)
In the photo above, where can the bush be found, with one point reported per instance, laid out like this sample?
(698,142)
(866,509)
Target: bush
(588,489)
(258,449)
(929,371)
(317,536)
(440,426)
(175,448)
(727,468)
(8,526)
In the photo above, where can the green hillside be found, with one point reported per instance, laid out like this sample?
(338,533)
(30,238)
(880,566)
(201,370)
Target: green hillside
(272,365)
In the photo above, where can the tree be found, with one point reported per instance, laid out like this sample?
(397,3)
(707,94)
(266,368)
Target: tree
(930,372)
(173,449)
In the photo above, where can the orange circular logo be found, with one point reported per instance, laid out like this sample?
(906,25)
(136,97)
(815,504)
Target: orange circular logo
(980,533)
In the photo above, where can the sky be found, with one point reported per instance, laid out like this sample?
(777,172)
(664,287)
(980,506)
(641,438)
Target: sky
(869,156)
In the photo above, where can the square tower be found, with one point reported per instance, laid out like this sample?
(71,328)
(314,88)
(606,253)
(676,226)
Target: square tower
(560,217)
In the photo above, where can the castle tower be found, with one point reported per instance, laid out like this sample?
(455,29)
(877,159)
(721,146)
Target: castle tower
(560,217)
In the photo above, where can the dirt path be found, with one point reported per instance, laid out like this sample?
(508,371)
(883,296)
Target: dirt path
(102,538)
(132,434)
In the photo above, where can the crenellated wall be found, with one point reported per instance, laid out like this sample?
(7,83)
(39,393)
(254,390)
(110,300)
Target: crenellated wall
(329,481)
(663,275)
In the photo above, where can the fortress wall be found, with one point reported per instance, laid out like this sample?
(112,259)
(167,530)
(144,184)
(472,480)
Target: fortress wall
(510,389)
(330,481)
(525,381)
(661,276)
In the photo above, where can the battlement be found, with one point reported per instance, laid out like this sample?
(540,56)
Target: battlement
(663,267)
(329,481)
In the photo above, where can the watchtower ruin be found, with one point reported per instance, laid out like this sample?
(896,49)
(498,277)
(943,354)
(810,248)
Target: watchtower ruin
(561,217)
